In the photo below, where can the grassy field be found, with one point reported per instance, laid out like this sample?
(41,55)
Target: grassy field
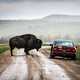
(3,48)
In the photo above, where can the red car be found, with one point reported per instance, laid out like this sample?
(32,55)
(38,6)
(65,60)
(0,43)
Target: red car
(63,48)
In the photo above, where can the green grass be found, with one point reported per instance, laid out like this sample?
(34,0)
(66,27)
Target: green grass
(78,53)
(3,48)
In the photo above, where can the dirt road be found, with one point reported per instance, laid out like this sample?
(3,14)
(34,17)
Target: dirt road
(17,69)
(37,66)
(72,67)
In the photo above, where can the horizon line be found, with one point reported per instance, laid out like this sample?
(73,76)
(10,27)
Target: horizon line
(39,17)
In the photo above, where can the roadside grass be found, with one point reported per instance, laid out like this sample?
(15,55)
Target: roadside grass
(78,53)
(49,48)
(3,48)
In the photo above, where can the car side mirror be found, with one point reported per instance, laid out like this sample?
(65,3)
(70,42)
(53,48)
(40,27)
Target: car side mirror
(51,44)
(76,46)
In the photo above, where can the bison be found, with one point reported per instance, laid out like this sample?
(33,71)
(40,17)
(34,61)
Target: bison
(33,44)
(26,41)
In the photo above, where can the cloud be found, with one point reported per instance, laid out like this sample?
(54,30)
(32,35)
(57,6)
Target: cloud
(10,1)
(31,10)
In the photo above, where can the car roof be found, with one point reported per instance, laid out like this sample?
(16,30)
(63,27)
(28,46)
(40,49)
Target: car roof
(62,40)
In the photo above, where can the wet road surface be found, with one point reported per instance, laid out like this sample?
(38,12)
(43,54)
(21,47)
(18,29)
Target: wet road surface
(37,66)
(49,69)
(72,67)
(17,70)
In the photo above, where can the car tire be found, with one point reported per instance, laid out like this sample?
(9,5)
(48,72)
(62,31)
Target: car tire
(73,57)
(51,56)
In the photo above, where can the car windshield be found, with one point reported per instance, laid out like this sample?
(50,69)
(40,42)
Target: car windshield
(63,43)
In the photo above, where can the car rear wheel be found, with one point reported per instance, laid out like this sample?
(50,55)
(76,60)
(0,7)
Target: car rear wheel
(73,57)
(51,56)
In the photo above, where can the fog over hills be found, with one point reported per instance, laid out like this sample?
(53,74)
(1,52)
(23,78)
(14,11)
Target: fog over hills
(49,25)
(62,18)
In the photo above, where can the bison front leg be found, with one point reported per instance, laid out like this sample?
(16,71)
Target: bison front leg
(37,49)
(11,52)
(26,51)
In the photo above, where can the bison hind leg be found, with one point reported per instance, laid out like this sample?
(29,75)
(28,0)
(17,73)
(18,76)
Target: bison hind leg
(11,51)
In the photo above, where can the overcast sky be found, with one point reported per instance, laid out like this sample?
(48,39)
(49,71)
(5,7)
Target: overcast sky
(33,9)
